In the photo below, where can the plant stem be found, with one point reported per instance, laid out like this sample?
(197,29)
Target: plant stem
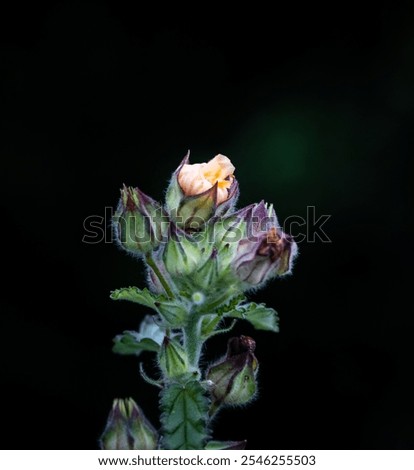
(153,265)
(193,342)
(183,400)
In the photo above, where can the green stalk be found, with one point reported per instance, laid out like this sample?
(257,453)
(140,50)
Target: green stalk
(183,400)
(193,342)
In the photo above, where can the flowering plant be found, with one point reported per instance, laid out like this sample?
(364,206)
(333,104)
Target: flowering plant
(201,256)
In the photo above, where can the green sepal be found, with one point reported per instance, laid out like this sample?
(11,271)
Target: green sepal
(208,273)
(173,313)
(173,360)
(226,445)
(200,208)
(184,416)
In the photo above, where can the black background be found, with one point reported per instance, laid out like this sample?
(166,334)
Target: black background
(313,104)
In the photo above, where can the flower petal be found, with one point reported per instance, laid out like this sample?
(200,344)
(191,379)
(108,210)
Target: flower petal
(192,181)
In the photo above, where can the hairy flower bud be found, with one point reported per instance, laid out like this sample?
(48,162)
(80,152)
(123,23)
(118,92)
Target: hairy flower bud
(199,191)
(192,262)
(128,429)
(265,251)
(234,376)
(139,222)
(173,358)
(182,254)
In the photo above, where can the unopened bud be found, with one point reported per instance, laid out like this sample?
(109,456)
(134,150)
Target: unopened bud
(198,192)
(266,251)
(173,358)
(234,376)
(182,255)
(127,428)
(139,222)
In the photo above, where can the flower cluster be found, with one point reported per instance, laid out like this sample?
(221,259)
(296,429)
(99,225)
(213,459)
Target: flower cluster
(198,240)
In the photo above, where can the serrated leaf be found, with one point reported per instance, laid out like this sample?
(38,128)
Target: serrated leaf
(173,312)
(260,316)
(184,416)
(233,304)
(139,296)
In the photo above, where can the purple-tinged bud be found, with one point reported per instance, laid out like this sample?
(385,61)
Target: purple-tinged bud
(265,251)
(140,222)
(234,376)
(128,429)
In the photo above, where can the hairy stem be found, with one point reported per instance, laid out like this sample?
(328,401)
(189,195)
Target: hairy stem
(193,342)
(183,401)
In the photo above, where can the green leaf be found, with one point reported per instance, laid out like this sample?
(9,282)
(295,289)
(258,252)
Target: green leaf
(226,445)
(131,342)
(222,300)
(260,316)
(209,323)
(173,312)
(148,338)
(233,304)
(209,326)
(139,296)
(184,416)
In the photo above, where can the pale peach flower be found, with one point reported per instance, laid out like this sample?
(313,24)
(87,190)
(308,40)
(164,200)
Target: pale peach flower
(197,178)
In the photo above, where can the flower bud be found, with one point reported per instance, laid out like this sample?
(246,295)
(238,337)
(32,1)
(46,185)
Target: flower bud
(191,261)
(199,191)
(234,377)
(139,221)
(182,254)
(128,429)
(173,358)
(265,251)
